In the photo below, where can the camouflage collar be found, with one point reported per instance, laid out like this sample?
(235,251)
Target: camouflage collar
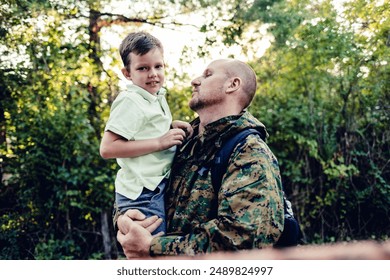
(204,146)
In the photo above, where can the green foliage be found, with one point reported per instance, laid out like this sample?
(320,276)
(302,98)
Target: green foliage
(51,249)
(178,101)
(55,185)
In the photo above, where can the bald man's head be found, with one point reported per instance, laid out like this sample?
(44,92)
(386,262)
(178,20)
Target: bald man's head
(236,68)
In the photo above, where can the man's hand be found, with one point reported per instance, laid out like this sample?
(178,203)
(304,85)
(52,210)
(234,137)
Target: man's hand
(137,237)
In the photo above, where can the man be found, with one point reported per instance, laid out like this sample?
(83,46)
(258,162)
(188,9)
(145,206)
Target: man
(247,211)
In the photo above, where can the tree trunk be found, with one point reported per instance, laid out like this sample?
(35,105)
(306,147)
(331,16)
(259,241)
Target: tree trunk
(105,229)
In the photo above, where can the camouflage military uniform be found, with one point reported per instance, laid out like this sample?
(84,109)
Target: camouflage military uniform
(248,212)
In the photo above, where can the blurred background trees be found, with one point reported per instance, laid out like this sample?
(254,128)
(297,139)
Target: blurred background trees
(323,94)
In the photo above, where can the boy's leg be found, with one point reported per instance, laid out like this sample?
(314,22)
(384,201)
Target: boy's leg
(157,206)
(150,203)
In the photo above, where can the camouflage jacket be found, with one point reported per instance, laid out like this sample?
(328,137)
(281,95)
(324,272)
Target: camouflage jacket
(248,210)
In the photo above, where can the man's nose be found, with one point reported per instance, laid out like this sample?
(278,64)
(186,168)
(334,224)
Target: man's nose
(195,82)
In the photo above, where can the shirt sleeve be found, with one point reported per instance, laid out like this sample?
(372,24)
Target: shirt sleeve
(126,117)
(249,211)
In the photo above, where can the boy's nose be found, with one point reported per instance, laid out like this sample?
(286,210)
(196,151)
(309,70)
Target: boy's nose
(152,73)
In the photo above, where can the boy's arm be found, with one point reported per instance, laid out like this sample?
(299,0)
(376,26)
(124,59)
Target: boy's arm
(115,146)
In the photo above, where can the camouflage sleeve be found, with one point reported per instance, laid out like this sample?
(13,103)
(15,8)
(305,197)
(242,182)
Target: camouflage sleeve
(250,209)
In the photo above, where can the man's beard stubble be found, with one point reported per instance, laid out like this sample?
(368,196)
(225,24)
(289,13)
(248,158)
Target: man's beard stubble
(197,103)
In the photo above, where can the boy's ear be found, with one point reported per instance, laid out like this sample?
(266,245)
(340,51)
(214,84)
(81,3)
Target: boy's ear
(126,73)
(235,84)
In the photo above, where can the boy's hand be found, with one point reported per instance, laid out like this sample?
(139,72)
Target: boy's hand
(184,126)
(173,137)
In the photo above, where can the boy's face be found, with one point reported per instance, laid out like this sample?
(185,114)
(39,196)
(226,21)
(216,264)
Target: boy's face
(147,71)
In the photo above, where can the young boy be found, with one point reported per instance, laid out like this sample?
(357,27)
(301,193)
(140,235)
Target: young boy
(140,133)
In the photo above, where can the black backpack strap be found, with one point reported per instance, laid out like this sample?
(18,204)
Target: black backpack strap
(219,166)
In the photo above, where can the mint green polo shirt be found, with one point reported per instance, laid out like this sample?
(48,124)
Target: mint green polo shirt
(136,115)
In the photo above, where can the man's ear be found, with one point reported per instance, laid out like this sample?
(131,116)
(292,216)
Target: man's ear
(126,73)
(235,84)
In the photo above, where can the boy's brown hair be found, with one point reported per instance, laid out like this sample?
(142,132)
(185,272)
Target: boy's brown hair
(138,43)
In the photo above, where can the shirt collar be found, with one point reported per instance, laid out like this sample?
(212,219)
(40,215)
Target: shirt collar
(147,95)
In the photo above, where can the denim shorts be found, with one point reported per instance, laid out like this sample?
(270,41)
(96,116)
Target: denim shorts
(150,203)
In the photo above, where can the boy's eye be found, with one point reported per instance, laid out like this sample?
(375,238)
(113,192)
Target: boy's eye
(142,68)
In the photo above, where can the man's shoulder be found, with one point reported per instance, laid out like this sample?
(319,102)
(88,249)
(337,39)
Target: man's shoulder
(253,149)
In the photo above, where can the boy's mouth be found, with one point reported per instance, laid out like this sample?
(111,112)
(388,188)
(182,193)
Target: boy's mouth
(152,83)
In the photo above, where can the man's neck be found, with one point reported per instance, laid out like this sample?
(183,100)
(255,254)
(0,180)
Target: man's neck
(207,116)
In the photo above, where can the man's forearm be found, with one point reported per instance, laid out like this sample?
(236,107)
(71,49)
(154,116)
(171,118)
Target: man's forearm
(218,235)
